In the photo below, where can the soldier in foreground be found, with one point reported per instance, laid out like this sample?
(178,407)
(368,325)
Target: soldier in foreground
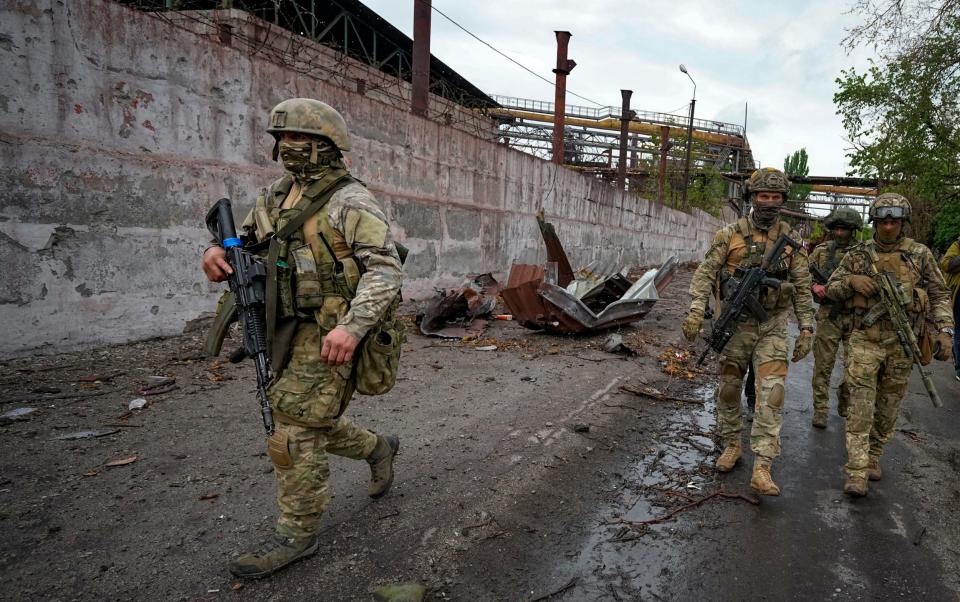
(950,267)
(762,344)
(833,319)
(878,368)
(336,275)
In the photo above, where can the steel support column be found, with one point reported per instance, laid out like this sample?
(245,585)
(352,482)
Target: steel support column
(564,66)
(625,116)
(421,57)
(662,168)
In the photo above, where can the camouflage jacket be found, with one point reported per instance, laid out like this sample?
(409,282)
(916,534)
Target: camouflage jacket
(359,230)
(915,269)
(827,256)
(730,248)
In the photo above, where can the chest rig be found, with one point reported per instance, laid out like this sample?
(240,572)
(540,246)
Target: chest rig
(905,267)
(306,277)
(754,250)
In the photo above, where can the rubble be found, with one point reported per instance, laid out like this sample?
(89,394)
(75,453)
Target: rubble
(455,314)
(598,296)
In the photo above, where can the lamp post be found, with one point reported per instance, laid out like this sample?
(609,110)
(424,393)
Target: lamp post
(686,170)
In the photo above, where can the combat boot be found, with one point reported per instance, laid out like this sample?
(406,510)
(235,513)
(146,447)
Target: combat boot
(272,555)
(855,486)
(873,469)
(729,458)
(842,407)
(381,465)
(761,481)
(820,418)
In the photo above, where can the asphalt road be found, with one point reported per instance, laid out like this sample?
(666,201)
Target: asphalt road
(812,543)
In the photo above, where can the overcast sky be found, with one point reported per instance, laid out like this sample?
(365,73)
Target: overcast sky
(780,56)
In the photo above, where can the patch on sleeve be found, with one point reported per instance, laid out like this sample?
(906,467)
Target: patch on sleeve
(365,229)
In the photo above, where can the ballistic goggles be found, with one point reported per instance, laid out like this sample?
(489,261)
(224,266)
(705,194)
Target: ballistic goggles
(880,213)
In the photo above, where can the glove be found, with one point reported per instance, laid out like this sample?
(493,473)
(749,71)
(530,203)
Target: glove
(943,347)
(863,285)
(691,326)
(803,345)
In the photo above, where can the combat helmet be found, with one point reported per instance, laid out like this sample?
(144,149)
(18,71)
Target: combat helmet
(890,204)
(768,179)
(843,217)
(309,116)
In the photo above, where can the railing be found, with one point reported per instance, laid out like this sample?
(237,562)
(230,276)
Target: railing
(668,119)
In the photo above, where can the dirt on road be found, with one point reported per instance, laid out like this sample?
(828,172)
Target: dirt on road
(544,469)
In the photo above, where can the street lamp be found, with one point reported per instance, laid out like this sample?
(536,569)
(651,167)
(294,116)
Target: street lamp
(693,104)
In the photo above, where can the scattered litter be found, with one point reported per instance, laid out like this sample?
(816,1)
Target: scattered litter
(213,591)
(87,434)
(209,496)
(648,391)
(16,415)
(455,313)
(236,585)
(122,461)
(157,385)
(486,348)
(45,390)
(614,344)
(581,427)
(504,317)
(138,403)
(91,473)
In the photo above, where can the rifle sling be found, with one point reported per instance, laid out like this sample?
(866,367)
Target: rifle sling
(279,336)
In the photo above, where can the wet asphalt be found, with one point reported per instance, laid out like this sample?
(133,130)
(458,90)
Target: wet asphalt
(812,542)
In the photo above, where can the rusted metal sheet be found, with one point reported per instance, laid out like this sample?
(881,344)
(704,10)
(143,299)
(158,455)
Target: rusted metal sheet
(456,313)
(595,297)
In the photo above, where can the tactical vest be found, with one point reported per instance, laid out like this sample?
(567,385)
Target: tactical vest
(905,262)
(747,248)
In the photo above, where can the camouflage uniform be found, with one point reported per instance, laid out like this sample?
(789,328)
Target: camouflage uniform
(762,344)
(308,396)
(833,326)
(877,368)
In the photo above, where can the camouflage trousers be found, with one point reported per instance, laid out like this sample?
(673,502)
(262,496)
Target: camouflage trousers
(826,342)
(308,400)
(765,346)
(877,373)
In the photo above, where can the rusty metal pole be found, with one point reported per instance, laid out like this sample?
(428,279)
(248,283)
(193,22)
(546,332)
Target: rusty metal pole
(662,172)
(564,67)
(625,117)
(686,170)
(421,57)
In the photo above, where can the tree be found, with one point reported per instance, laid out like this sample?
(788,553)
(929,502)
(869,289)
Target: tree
(901,114)
(796,165)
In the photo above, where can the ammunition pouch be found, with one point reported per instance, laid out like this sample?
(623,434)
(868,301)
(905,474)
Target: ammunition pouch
(378,356)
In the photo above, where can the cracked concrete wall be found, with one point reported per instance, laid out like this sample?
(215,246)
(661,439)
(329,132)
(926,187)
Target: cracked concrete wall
(120,128)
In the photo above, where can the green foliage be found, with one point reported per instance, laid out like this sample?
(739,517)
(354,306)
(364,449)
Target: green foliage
(796,165)
(948,225)
(707,190)
(903,120)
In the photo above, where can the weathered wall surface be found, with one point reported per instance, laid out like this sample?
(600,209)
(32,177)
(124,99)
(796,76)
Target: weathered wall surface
(118,129)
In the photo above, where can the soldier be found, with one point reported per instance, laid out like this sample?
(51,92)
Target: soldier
(346,283)
(833,322)
(950,266)
(763,345)
(877,368)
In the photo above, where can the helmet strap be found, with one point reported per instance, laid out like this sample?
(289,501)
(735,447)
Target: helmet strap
(276,149)
(313,152)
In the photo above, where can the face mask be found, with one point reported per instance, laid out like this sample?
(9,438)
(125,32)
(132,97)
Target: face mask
(765,215)
(299,159)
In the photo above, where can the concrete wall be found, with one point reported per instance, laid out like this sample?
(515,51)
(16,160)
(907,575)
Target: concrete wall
(118,129)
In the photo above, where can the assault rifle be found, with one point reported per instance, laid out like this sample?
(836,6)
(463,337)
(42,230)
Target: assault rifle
(248,285)
(892,302)
(743,296)
(821,278)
